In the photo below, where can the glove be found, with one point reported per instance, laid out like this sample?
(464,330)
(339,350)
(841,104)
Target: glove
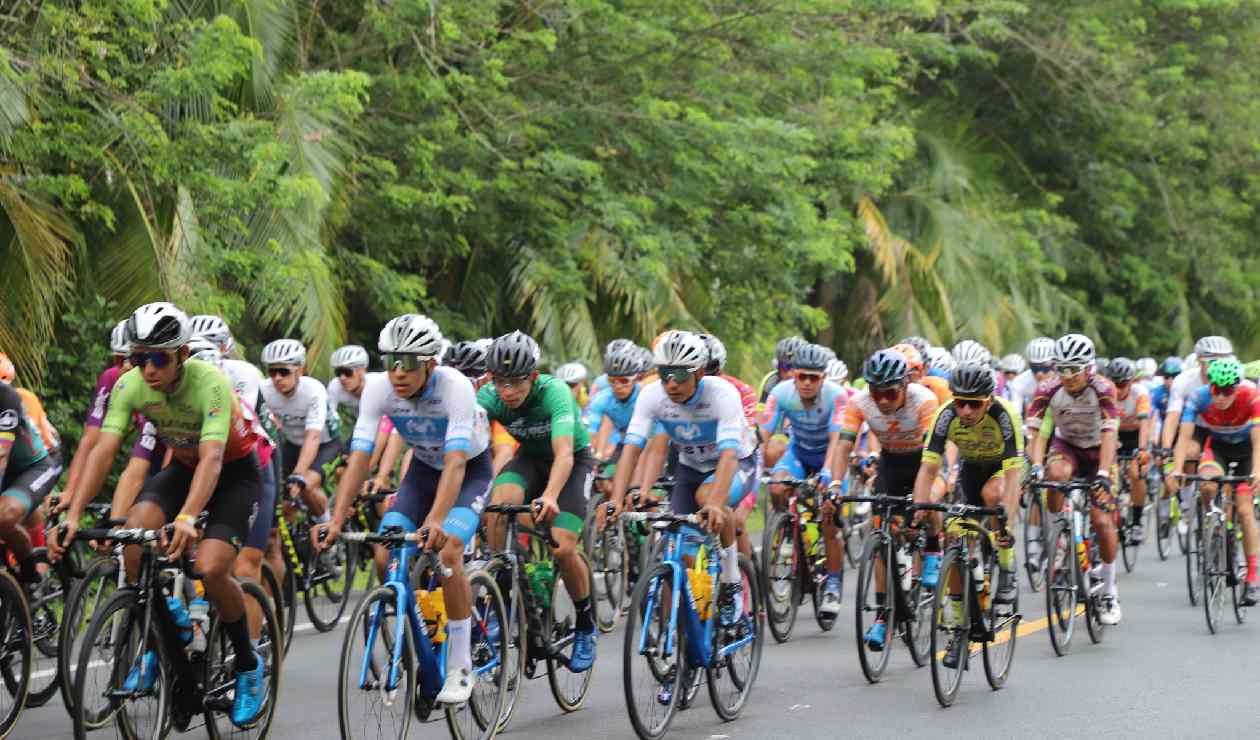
(295,480)
(824,477)
(1035,472)
(1103,482)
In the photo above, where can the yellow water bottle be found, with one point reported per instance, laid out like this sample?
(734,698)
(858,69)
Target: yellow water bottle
(433,611)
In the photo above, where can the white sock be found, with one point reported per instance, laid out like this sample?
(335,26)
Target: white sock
(1034,536)
(1109,578)
(730,564)
(458,654)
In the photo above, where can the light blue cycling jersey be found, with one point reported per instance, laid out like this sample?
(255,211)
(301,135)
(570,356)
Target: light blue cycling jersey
(599,384)
(619,412)
(810,428)
(441,418)
(709,423)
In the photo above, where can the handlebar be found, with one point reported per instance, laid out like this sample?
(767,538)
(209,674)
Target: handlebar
(395,536)
(517,509)
(1076,484)
(964,510)
(658,516)
(133,535)
(1225,479)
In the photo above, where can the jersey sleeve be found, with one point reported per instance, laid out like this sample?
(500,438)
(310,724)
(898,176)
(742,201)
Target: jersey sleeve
(935,447)
(1012,437)
(730,422)
(461,412)
(772,416)
(1108,406)
(927,412)
(1190,407)
(1040,402)
(595,412)
(641,421)
(317,407)
(100,399)
(371,410)
(748,398)
(146,441)
(121,399)
(852,420)
(216,407)
(10,416)
(560,406)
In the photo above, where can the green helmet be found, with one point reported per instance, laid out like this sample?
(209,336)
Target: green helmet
(1225,372)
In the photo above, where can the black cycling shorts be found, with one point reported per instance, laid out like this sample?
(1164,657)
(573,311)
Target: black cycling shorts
(232,507)
(895,474)
(328,451)
(972,477)
(1128,441)
(531,474)
(33,484)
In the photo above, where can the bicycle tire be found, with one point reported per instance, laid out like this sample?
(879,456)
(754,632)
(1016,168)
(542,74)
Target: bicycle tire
(321,585)
(1062,594)
(1183,540)
(653,587)
(99,581)
(1194,553)
(1212,579)
(1034,563)
(517,640)
(723,669)
(1093,610)
(558,628)
(118,658)
(782,586)
(275,594)
(379,605)
(1238,570)
(917,624)
(945,680)
(607,554)
(269,646)
(477,718)
(15,634)
(290,590)
(816,565)
(46,603)
(1163,523)
(999,653)
(866,614)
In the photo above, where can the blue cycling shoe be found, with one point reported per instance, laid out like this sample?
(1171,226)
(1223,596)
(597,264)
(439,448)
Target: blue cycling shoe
(144,674)
(875,635)
(931,569)
(583,651)
(251,694)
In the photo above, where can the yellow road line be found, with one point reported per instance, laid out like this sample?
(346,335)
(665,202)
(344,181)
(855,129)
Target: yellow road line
(1025,628)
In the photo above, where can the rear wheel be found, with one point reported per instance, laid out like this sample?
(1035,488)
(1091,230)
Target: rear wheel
(1092,592)
(220,667)
(868,608)
(374,693)
(1129,546)
(568,688)
(98,583)
(1062,596)
(950,622)
(607,554)
(1163,520)
(329,574)
(47,603)
(1237,564)
(782,587)
(1003,620)
(732,671)
(918,628)
(479,716)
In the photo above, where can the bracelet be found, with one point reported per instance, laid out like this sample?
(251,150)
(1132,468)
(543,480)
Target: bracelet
(186,518)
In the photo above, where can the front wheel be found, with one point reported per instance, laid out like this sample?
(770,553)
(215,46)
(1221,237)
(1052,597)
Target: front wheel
(1163,522)
(47,603)
(1062,595)
(93,590)
(732,670)
(1003,620)
(607,554)
(567,688)
(951,624)
(1194,553)
(375,686)
(1213,577)
(1035,528)
(15,652)
(782,587)
(326,592)
(653,655)
(114,645)
(871,607)
(515,639)
(479,717)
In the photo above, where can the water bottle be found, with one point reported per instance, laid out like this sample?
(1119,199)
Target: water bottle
(977,573)
(903,569)
(179,615)
(199,616)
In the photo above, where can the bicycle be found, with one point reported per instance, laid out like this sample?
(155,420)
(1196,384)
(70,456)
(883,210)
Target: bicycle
(1194,540)
(1167,511)
(1035,539)
(970,561)
(409,655)
(16,651)
(855,519)
(1071,554)
(540,613)
(136,620)
(673,625)
(908,610)
(1221,565)
(1130,545)
(794,559)
(324,579)
(606,551)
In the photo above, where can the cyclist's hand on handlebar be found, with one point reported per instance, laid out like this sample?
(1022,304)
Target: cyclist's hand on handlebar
(545,509)
(325,534)
(60,539)
(295,485)
(608,513)
(714,517)
(1103,481)
(437,536)
(182,534)
(1036,473)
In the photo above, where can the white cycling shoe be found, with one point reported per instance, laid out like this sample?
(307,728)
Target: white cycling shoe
(458,687)
(1110,615)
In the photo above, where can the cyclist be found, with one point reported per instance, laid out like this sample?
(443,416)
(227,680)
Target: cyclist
(748,397)
(212,439)
(1193,376)
(1226,415)
(1086,417)
(28,471)
(610,410)
(717,462)
(782,366)
(308,426)
(918,372)
(574,373)
(985,428)
(969,351)
(434,408)
(1133,435)
(1011,366)
(838,373)
(898,413)
(553,467)
(600,383)
(1039,353)
(246,379)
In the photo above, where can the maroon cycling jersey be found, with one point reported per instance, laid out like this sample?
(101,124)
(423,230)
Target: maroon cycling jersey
(1081,418)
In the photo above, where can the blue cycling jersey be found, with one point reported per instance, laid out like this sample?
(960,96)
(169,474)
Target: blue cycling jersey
(1159,400)
(810,428)
(620,412)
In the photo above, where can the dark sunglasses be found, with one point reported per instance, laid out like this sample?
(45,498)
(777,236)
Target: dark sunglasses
(396,360)
(473,373)
(281,372)
(885,392)
(677,374)
(344,372)
(159,359)
(1217,390)
(1041,368)
(970,403)
(809,377)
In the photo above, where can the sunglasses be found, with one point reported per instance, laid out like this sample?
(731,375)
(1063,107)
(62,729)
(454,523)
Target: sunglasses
(885,392)
(344,372)
(1041,368)
(473,373)
(627,380)
(1123,383)
(1069,371)
(397,360)
(158,358)
(508,383)
(970,403)
(281,372)
(678,375)
(1229,390)
(809,377)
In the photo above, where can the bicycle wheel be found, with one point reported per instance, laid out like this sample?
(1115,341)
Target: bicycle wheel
(374,690)
(113,645)
(220,670)
(1062,596)
(568,688)
(1035,540)
(289,587)
(479,716)
(732,670)
(1003,622)
(1129,547)
(1237,568)
(651,665)
(778,566)
(515,651)
(94,589)
(1185,513)
(1092,596)
(15,652)
(607,554)
(857,531)
(1193,566)
(950,622)
(275,594)
(816,570)
(47,602)
(327,587)
(868,609)
(1163,524)
(917,630)
(1214,573)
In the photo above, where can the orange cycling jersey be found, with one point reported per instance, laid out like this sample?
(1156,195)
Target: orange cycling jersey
(35,412)
(1134,408)
(939,386)
(899,432)
(499,436)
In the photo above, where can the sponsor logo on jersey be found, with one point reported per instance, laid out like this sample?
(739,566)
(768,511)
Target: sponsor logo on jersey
(688,432)
(8,420)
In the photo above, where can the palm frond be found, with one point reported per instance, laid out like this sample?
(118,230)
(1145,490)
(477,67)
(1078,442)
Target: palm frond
(272,23)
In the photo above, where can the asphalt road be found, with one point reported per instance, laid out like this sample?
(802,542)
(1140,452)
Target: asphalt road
(1159,674)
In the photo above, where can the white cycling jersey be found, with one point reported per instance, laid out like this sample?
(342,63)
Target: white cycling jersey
(245,379)
(1022,388)
(338,396)
(304,409)
(702,428)
(443,417)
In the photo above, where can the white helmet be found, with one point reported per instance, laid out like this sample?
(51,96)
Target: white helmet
(1012,363)
(284,352)
(158,326)
(213,328)
(1213,346)
(971,352)
(1039,351)
(1073,349)
(118,343)
(938,358)
(571,372)
(206,350)
(411,334)
(1146,367)
(681,349)
(351,355)
(837,371)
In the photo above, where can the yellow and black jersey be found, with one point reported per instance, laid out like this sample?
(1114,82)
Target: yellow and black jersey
(996,438)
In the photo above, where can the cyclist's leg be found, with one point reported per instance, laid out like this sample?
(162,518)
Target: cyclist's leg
(1061,465)
(229,515)
(519,475)
(249,561)
(789,465)
(22,494)
(707,494)
(567,531)
(775,449)
(157,504)
(313,495)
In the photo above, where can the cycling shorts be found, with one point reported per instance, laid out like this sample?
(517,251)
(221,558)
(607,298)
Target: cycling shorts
(32,485)
(973,477)
(260,531)
(1219,455)
(531,475)
(682,499)
(1127,441)
(328,451)
(232,508)
(1084,461)
(895,474)
(418,491)
(799,463)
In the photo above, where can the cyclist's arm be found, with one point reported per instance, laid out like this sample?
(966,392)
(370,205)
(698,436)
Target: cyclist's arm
(87,442)
(378,452)
(625,471)
(923,480)
(930,466)
(1012,478)
(1144,412)
(310,448)
(1255,447)
(652,464)
(351,481)
(129,485)
(840,458)
(1183,441)
(394,447)
(1172,419)
(94,472)
(601,440)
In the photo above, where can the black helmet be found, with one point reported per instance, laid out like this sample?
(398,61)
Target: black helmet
(786,348)
(971,379)
(513,355)
(918,343)
(467,357)
(886,367)
(623,361)
(1122,370)
(811,357)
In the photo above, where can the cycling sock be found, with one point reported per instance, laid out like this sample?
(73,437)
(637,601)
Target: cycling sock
(458,654)
(1108,573)
(585,617)
(730,564)
(238,633)
(1251,568)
